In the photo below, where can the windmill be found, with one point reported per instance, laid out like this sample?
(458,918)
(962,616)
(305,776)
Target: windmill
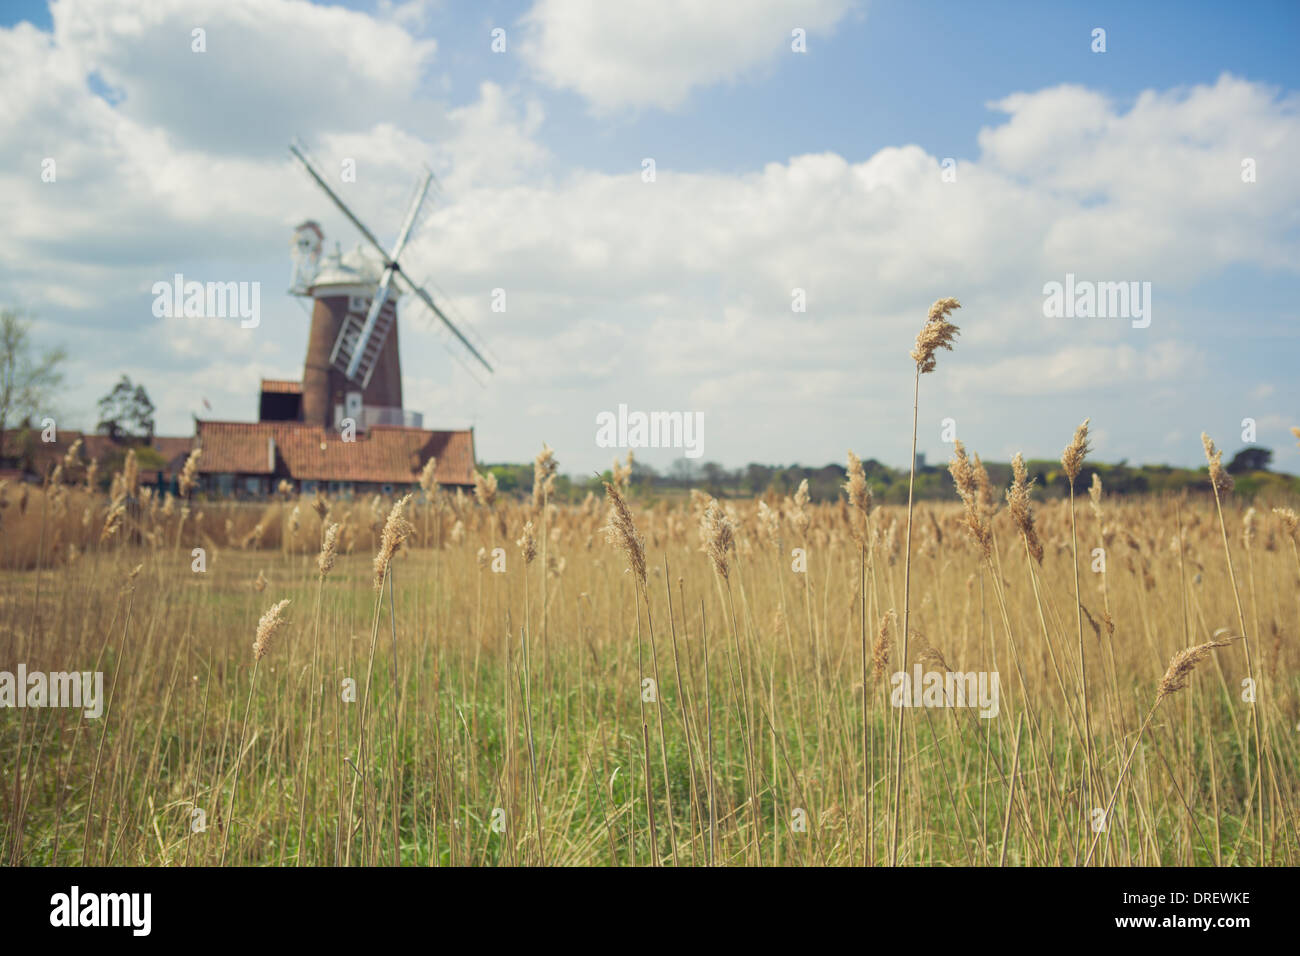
(352,368)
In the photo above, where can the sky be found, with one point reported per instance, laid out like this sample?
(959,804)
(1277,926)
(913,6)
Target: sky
(909,151)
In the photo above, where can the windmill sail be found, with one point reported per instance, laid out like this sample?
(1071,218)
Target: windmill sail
(428,300)
(371,338)
(359,344)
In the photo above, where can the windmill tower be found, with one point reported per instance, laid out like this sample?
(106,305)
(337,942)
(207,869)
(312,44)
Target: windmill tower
(352,369)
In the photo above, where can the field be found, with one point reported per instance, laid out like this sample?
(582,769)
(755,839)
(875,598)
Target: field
(712,686)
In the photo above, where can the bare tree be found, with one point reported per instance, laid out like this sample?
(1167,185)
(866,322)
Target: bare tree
(26,381)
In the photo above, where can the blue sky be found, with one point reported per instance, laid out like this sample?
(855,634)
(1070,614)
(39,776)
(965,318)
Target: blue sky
(775,170)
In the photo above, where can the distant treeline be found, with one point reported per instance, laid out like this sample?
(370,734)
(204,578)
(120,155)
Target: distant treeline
(1249,468)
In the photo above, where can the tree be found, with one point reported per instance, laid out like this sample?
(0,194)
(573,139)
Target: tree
(714,477)
(682,471)
(126,413)
(643,475)
(757,478)
(113,461)
(1250,459)
(26,381)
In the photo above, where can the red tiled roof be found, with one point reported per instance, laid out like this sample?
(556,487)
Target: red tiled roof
(13,443)
(384,454)
(95,447)
(281,386)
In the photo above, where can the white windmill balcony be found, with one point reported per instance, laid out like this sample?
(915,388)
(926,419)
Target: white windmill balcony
(366,416)
(372,415)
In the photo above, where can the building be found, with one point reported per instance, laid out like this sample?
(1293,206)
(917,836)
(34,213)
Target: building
(253,458)
(330,431)
(343,428)
(24,456)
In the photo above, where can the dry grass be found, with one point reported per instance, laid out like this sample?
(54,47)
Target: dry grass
(766,737)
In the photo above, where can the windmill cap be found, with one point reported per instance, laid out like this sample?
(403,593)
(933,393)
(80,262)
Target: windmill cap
(352,268)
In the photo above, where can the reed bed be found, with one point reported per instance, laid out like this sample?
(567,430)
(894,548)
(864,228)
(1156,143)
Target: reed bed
(697,701)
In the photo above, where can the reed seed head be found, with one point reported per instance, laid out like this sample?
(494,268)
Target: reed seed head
(1183,663)
(112,522)
(937,333)
(73,455)
(1075,452)
(859,494)
(396,530)
(880,649)
(962,471)
(544,466)
(485,488)
(1290,521)
(622,473)
(1020,508)
(527,543)
(927,653)
(620,531)
(130,474)
(328,550)
(270,622)
(1219,479)
(966,480)
(428,483)
(799,516)
(719,537)
(189,476)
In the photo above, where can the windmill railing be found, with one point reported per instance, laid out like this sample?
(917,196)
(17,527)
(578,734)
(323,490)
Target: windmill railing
(372,415)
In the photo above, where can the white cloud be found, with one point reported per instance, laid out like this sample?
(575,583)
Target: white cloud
(653,53)
(413,14)
(1164,173)
(1077,368)
(269,67)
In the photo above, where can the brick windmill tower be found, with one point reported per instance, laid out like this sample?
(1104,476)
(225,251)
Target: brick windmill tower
(352,369)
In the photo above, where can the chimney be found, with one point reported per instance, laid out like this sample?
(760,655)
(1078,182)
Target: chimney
(270,453)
